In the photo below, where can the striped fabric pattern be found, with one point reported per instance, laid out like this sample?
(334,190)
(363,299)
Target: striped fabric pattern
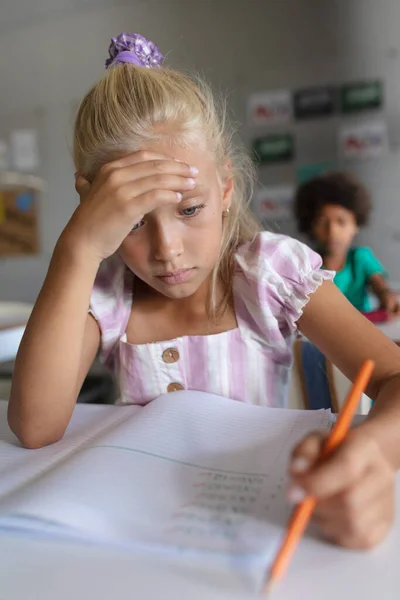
(274,277)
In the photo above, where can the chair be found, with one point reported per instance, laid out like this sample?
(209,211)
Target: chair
(316,383)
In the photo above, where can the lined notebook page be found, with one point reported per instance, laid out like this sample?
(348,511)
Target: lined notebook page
(19,466)
(190,472)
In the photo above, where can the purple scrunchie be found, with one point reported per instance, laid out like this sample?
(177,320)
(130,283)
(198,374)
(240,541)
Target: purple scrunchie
(134,48)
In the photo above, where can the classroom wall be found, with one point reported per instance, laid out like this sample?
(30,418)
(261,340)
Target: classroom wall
(52,50)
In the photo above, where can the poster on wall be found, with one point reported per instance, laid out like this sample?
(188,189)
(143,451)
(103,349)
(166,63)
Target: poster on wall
(314,102)
(360,96)
(363,140)
(269,108)
(273,148)
(18,222)
(273,203)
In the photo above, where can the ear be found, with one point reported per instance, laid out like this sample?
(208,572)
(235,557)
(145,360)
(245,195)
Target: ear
(82,186)
(227,186)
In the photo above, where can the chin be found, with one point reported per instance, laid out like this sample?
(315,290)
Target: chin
(178,291)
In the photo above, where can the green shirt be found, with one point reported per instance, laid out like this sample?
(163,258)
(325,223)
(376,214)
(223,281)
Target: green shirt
(353,279)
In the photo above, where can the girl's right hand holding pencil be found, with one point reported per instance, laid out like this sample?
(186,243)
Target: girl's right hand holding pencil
(122,192)
(354,488)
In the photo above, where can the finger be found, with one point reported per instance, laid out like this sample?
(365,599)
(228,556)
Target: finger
(136,157)
(362,493)
(157,166)
(306,453)
(370,537)
(152,200)
(393,305)
(364,531)
(338,472)
(160,171)
(172,183)
(390,307)
(140,157)
(372,527)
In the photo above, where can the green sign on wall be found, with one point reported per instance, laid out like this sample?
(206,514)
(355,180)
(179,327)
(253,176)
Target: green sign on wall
(365,95)
(274,148)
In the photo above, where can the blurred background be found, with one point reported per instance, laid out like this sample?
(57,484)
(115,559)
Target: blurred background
(314,84)
(51,51)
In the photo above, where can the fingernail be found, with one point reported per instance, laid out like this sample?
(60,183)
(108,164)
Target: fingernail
(194,170)
(295,494)
(300,464)
(179,195)
(190,182)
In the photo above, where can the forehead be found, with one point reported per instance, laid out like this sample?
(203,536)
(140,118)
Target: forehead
(335,211)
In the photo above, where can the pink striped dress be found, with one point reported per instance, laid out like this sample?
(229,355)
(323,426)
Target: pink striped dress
(274,277)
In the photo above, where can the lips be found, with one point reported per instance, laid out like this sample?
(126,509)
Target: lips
(176,277)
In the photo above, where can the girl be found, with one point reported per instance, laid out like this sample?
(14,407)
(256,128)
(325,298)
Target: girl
(331,209)
(164,269)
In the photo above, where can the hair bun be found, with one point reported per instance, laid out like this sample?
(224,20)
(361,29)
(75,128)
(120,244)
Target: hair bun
(135,49)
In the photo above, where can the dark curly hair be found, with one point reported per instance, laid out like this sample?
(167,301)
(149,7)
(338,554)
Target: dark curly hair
(333,188)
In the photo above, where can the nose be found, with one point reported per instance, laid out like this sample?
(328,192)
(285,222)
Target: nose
(167,244)
(331,229)
(335,228)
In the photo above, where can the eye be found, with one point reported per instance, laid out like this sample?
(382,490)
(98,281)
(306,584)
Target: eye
(192,211)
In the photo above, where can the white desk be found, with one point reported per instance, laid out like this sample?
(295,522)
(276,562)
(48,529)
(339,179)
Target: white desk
(391,329)
(44,571)
(39,570)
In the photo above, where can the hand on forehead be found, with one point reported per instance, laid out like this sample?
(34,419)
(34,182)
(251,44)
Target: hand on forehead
(203,166)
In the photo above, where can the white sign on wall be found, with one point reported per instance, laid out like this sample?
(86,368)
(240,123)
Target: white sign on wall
(274,203)
(363,140)
(269,108)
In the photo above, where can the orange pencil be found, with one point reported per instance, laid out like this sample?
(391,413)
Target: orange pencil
(303,512)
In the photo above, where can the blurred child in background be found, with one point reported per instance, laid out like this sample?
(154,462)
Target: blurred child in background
(330,209)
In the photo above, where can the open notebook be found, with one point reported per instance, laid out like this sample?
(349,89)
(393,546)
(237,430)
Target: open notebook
(190,474)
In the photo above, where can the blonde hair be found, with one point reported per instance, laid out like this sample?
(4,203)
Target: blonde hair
(132,106)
